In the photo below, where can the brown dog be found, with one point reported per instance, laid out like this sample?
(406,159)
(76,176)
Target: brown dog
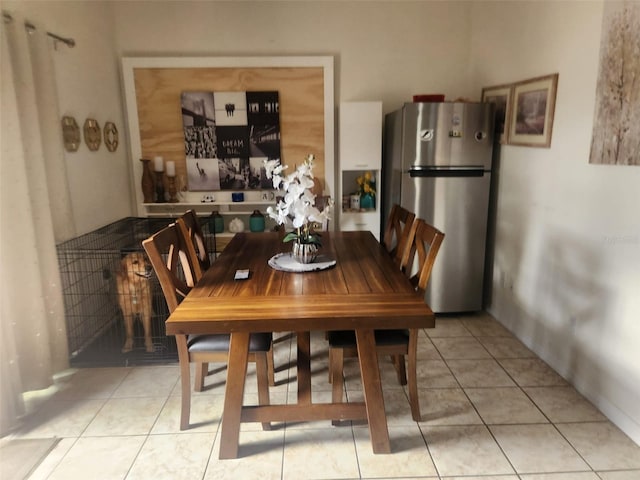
(134,296)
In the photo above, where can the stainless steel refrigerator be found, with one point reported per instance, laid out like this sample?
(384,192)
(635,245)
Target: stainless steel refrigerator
(437,163)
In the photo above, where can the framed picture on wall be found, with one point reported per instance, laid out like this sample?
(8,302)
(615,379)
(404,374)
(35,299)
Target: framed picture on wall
(500,95)
(532,110)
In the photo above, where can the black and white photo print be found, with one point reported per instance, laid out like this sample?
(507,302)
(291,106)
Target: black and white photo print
(198,121)
(263,111)
(203,174)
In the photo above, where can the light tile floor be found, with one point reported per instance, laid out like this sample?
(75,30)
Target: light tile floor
(491,410)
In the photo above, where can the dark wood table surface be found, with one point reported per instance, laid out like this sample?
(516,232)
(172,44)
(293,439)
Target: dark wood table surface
(362,292)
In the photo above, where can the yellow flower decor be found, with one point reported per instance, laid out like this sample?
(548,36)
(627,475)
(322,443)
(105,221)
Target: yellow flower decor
(366,184)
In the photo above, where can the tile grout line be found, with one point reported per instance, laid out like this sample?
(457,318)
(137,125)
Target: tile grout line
(210,460)
(211,452)
(80,435)
(521,388)
(484,423)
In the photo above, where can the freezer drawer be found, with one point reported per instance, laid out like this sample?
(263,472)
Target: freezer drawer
(458,206)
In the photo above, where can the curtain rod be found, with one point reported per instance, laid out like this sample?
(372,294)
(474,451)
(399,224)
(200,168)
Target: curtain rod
(69,42)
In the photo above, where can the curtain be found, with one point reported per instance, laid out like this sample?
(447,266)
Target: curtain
(33,198)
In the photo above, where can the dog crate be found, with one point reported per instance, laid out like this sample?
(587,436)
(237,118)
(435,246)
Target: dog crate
(95,323)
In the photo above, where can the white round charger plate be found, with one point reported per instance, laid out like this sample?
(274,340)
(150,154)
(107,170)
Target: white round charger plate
(284,262)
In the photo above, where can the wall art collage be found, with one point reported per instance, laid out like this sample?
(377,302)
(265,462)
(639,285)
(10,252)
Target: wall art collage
(227,136)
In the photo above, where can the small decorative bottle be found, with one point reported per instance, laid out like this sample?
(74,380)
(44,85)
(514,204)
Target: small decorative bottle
(216,222)
(147,182)
(256,221)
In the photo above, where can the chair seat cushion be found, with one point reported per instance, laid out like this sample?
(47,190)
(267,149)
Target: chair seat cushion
(347,338)
(258,342)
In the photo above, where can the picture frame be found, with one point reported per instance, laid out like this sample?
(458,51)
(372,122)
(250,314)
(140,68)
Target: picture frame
(532,111)
(500,95)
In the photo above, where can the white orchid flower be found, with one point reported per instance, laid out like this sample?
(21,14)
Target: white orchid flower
(300,214)
(315,215)
(309,160)
(308,196)
(327,208)
(297,207)
(307,182)
(304,171)
(277,180)
(280,216)
(288,181)
(270,166)
(294,191)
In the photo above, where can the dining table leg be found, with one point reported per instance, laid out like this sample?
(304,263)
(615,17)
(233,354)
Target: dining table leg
(372,388)
(234,394)
(303,364)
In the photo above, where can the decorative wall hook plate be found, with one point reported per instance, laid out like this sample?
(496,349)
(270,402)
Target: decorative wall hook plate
(92,134)
(70,134)
(110,134)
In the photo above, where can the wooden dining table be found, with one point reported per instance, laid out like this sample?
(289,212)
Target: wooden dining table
(363,291)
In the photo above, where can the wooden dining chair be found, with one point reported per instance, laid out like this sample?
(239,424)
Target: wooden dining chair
(423,244)
(196,251)
(396,231)
(167,254)
(198,256)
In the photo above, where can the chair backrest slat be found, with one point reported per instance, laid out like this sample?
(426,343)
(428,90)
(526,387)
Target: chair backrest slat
(396,232)
(195,246)
(168,256)
(424,240)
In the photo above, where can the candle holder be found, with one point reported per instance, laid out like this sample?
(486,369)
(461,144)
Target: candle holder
(147,181)
(160,188)
(171,187)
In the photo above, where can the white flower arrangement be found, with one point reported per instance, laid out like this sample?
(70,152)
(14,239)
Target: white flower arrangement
(297,209)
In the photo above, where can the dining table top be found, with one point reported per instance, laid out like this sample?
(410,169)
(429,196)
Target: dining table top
(364,289)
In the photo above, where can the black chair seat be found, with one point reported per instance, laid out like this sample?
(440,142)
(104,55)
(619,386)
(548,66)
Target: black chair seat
(347,338)
(258,342)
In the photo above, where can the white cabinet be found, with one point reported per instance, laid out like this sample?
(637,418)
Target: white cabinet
(360,153)
(360,135)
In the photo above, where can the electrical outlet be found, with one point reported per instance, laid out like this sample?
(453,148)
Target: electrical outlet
(506,281)
(503,280)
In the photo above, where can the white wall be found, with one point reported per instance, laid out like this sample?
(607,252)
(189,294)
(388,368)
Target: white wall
(568,233)
(383,50)
(566,273)
(88,79)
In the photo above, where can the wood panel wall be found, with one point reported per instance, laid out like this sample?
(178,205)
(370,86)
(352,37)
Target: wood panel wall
(301,97)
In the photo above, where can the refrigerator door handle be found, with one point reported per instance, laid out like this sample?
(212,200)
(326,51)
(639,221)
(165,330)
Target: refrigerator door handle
(446,172)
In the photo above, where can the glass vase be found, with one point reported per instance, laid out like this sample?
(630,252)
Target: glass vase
(304,252)
(256,221)
(367,201)
(216,222)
